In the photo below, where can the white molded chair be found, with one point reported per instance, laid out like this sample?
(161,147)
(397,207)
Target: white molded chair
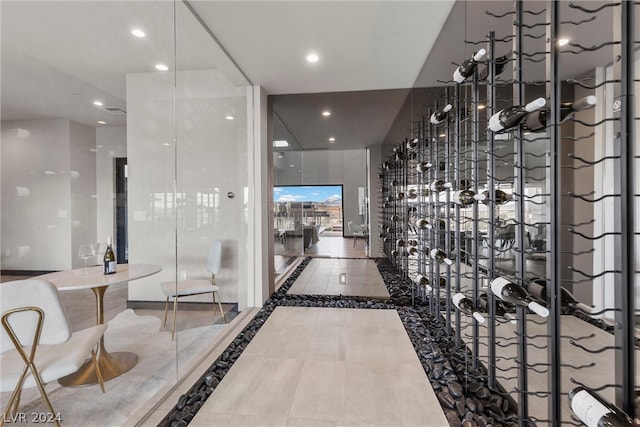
(357,231)
(36,342)
(183,288)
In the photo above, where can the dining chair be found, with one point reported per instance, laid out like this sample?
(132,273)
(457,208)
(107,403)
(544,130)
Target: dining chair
(182,288)
(36,342)
(357,231)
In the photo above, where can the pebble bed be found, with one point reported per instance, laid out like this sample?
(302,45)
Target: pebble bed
(462,391)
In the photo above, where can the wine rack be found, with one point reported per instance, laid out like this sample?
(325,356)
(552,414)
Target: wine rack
(530,178)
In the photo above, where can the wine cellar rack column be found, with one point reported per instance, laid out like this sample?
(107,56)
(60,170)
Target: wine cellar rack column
(502,347)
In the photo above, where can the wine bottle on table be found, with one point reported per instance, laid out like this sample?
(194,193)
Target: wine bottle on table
(514,294)
(511,117)
(441,115)
(109,259)
(538,289)
(468,67)
(594,411)
(440,255)
(467,306)
(537,121)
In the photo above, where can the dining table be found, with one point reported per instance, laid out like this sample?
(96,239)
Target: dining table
(111,364)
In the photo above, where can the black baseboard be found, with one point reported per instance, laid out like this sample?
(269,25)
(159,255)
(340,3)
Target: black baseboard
(182,305)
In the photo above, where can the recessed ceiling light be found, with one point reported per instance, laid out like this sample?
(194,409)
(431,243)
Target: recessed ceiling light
(161,67)
(280,155)
(442,135)
(138,32)
(280,143)
(293,166)
(101,122)
(312,57)
(100,146)
(563,42)
(229,117)
(98,103)
(326,113)
(481,106)
(166,144)
(332,140)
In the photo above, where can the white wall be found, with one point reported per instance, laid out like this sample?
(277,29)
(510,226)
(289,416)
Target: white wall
(326,167)
(208,161)
(46,187)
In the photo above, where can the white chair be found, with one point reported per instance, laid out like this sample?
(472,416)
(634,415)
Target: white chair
(357,231)
(36,342)
(182,288)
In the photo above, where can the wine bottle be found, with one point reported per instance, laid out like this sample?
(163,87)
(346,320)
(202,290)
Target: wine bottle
(500,197)
(422,280)
(466,197)
(396,217)
(468,67)
(109,259)
(412,193)
(537,121)
(440,115)
(594,411)
(400,195)
(390,198)
(412,242)
(400,243)
(440,255)
(500,308)
(511,117)
(412,143)
(467,306)
(423,223)
(395,182)
(423,166)
(413,250)
(501,65)
(538,289)
(514,294)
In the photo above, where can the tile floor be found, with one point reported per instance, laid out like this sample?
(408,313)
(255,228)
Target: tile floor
(325,367)
(321,277)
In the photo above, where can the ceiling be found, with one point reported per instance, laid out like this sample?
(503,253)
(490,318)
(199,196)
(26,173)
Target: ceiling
(371,53)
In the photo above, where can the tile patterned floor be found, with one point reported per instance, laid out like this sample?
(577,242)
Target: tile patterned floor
(326,367)
(321,277)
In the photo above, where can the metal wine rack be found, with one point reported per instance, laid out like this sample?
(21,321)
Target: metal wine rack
(537,360)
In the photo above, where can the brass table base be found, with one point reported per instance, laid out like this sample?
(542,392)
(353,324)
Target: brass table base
(111,366)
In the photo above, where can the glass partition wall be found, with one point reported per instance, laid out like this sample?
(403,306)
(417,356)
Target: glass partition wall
(140,136)
(320,198)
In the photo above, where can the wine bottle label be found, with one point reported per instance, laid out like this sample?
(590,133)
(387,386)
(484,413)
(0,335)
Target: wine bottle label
(536,104)
(588,409)
(109,267)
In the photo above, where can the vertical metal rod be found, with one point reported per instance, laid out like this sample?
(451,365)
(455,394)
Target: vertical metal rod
(475,231)
(446,233)
(430,232)
(520,174)
(625,295)
(456,179)
(436,218)
(555,235)
(491,95)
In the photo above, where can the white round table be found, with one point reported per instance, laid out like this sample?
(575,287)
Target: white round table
(111,364)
